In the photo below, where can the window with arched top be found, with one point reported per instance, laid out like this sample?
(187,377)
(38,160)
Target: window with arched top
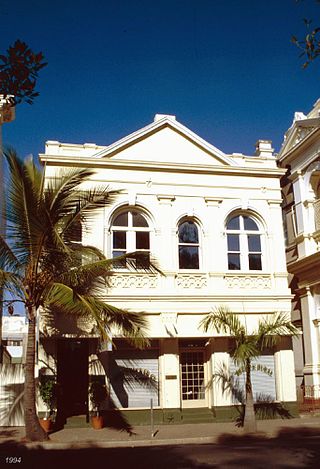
(244,243)
(130,232)
(188,242)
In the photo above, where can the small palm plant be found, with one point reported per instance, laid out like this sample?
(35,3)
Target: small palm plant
(48,394)
(248,345)
(97,394)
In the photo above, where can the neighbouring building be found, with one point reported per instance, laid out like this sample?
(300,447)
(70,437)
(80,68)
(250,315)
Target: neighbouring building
(213,221)
(300,156)
(14,334)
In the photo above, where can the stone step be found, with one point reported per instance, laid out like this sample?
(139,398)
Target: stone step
(77,421)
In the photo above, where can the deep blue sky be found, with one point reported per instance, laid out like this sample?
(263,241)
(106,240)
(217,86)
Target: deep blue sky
(225,68)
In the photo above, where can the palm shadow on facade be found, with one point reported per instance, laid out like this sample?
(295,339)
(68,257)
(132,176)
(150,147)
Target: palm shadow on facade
(264,407)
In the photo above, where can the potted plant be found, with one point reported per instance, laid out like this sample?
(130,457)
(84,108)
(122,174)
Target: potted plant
(48,394)
(97,394)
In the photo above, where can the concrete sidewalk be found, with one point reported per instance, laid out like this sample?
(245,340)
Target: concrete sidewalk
(163,434)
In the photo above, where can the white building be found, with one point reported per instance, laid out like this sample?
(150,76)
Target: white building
(14,333)
(301,207)
(213,221)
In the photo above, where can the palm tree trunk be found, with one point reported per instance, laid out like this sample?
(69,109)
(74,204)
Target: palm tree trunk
(249,422)
(34,431)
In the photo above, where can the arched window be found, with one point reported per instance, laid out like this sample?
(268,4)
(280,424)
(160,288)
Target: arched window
(244,244)
(130,232)
(188,245)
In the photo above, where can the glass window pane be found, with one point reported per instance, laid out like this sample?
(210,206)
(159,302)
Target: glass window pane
(188,233)
(139,220)
(118,253)
(119,240)
(254,244)
(121,220)
(142,240)
(233,242)
(234,261)
(188,257)
(250,224)
(119,264)
(234,223)
(255,262)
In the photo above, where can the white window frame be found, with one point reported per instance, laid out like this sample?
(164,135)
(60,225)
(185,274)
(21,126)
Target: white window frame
(198,245)
(243,243)
(130,231)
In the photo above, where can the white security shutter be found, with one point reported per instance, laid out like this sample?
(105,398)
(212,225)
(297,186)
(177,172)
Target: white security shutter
(125,392)
(263,385)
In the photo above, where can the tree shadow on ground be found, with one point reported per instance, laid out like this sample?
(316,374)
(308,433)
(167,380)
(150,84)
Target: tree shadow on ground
(291,447)
(7,432)
(139,457)
(114,418)
(303,443)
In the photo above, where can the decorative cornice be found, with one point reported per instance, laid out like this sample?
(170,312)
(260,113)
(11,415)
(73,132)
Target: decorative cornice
(306,269)
(140,165)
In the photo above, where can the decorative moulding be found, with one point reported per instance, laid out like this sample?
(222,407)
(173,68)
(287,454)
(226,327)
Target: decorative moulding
(248,282)
(166,199)
(124,280)
(191,281)
(213,201)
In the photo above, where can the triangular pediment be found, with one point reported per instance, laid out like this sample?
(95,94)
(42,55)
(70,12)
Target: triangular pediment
(302,127)
(166,141)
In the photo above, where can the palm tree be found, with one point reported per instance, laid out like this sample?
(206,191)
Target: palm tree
(248,345)
(45,269)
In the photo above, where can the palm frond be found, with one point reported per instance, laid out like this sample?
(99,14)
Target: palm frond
(243,350)
(68,204)
(270,329)
(8,259)
(130,325)
(60,190)
(137,261)
(24,220)
(221,319)
(12,283)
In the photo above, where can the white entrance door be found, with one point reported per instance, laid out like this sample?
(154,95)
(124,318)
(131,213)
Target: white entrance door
(192,378)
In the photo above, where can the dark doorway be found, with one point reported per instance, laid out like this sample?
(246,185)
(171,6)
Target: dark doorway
(72,374)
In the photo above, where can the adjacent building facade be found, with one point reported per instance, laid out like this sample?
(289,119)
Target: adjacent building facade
(300,156)
(213,221)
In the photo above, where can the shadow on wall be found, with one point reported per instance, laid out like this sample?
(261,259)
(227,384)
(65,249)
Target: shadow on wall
(124,378)
(265,407)
(11,395)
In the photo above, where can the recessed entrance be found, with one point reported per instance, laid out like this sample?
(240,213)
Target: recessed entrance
(192,378)
(72,376)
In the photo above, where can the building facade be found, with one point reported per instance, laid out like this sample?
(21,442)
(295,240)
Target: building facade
(14,334)
(299,155)
(213,222)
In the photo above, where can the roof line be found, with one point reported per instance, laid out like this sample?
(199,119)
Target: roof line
(157,125)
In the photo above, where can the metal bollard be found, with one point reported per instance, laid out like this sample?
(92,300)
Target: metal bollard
(151,418)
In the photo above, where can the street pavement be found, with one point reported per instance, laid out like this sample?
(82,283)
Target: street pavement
(161,434)
(293,443)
